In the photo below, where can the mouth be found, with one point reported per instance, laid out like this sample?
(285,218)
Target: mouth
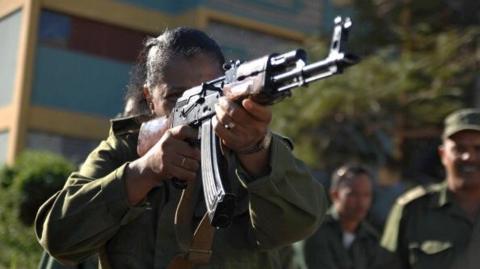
(468,169)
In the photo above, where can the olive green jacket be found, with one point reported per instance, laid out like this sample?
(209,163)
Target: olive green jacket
(427,229)
(47,262)
(325,250)
(91,213)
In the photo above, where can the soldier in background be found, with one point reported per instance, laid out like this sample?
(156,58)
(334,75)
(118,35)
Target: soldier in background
(439,226)
(345,240)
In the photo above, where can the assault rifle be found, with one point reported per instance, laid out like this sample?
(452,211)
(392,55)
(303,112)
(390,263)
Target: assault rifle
(266,80)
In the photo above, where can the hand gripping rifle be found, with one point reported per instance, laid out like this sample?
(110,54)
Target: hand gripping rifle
(266,80)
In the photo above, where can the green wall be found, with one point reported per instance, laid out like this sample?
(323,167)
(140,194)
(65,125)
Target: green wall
(79,82)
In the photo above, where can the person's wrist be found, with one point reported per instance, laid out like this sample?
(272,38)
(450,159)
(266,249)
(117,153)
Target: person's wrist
(261,145)
(136,186)
(139,170)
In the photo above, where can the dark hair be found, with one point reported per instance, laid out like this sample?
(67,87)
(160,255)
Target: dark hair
(347,172)
(156,54)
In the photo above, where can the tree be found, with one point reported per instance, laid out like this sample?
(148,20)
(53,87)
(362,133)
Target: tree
(391,22)
(365,113)
(33,178)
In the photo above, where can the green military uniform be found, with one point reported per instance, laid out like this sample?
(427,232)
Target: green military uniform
(47,262)
(427,229)
(325,249)
(91,213)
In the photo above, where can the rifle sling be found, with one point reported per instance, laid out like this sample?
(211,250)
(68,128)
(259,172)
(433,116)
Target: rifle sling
(184,215)
(197,248)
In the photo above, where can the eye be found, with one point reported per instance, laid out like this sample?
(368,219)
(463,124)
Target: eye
(174,93)
(458,149)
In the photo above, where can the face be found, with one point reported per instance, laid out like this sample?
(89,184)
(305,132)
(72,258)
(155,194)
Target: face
(460,155)
(353,198)
(180,74)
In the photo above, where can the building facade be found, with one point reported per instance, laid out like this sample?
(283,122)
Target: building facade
(64,64)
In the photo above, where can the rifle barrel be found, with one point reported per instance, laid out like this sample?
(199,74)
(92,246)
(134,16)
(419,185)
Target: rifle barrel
(298,77)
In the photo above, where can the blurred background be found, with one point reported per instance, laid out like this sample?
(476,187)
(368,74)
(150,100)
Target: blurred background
(64,66)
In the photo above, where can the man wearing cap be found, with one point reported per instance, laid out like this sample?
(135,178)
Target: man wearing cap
(439,226)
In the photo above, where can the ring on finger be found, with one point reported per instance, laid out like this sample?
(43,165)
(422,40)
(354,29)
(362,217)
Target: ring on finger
(229,125)
(182,164)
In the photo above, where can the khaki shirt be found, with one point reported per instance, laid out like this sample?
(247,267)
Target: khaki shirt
(325,249)
(91,213)
(427,229)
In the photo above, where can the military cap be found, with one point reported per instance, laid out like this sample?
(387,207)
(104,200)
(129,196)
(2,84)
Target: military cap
(462,120)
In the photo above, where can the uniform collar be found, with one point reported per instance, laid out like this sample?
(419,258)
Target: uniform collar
(333,213)
(126,125)
(443,200)
(441,195)
(363,229)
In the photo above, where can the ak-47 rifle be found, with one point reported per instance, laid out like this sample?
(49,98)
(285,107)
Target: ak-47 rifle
(266,80)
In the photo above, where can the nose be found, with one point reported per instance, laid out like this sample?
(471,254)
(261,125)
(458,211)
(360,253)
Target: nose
(364,203)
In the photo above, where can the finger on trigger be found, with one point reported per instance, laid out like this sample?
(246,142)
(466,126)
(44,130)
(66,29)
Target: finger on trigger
(229,106)
(222,115)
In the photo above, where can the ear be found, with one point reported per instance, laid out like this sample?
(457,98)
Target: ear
(441,152)
(146,94)
(148,98)
(334,195)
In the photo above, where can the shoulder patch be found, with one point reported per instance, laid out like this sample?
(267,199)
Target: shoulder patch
(436,187)
(411,195)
